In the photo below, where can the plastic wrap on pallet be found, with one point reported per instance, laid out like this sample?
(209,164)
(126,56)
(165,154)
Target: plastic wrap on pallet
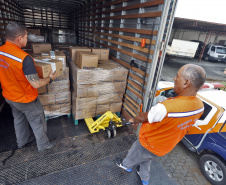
(58,87)
(97,91)
(53,111)
(56,98)
(35,38)
(107,71)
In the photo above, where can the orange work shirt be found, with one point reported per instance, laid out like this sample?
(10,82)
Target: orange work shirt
(182,113)
(15,86)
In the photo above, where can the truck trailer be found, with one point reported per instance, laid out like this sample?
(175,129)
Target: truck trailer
(136,32)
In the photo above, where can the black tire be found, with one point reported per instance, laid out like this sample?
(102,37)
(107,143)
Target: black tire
(213,168)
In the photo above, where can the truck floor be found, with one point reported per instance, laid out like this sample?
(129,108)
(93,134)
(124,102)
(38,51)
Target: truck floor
(78,158)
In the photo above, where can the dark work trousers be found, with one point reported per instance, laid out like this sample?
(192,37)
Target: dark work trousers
(33,113)
(138,155)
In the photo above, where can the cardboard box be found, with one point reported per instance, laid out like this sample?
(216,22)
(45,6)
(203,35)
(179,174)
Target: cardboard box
(116,107)
(65,75)
(42,90)
(86,60)
(59,110)
(63,98)
(101,109)
(57,87)
(83,113)
(47,99)
(104,99)
(73,50)
(41,48)
(54,110)
(102,53)
(57,55)
(44,66)
(107,72)
(85,103)
(65,108)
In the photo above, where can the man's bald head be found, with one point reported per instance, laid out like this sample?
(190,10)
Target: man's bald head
(195,74)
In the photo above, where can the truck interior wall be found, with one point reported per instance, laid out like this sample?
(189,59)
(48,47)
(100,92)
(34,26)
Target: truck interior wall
(119,25)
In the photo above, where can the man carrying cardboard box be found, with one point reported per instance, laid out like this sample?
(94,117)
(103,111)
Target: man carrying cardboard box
(19,81)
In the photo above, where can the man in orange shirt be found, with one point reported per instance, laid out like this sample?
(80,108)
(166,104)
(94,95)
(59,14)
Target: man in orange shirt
(167,122)
(19,81)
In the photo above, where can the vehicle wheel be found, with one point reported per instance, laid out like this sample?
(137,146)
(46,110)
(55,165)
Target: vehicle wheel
(213,168)
(107,134)
(206,58)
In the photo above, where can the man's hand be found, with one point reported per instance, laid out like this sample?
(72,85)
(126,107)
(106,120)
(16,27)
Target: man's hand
(52,75)
(131,120)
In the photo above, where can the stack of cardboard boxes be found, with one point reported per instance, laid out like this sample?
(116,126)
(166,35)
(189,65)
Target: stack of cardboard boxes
(96,88)
(55,97)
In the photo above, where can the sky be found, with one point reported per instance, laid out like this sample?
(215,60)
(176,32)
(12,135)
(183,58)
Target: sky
(204,10)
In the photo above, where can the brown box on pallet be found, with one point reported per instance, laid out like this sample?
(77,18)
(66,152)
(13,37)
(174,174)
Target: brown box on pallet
(73,50)
(57,55)
(65,75)
(65,108)
(83,113)
(116,107)
(63,98)
(106,72)
(89,90)
(41,48)
(44,67)
(104,99)
(47,99)
(85,103)
(101,109)
(58,87)
(58,110)
(102,53)
(86,60)
(42,90)
(54,110)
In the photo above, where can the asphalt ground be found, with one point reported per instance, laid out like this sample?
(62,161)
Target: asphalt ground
(214,70)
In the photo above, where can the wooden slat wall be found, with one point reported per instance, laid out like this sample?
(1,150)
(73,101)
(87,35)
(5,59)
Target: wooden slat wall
(10,11)
(97,28)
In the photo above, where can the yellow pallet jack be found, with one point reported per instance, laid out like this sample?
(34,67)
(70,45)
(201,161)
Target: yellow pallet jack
(108,122)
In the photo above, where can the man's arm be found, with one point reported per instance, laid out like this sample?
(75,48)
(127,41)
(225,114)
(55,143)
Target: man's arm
(36,82)
(156,114)
(32,75)
(142,117)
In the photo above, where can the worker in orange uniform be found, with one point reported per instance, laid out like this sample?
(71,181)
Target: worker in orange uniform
(19,81)
(166,123)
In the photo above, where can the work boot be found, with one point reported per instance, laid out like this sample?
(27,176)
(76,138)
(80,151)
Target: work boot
(51,145)
(30,140)
(120,165)
(138,172)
